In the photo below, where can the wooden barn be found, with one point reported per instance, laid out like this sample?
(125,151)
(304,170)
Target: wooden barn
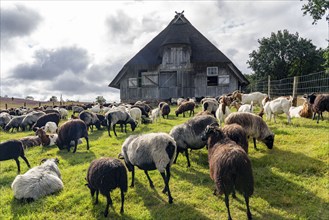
(178,62)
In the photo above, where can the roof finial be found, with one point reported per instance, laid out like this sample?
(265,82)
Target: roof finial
(178,16)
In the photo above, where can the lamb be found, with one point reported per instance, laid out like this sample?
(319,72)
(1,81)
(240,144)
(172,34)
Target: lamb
(13,149)
(155,114)
(256,97)
(149,152)
(188,134)
(91,119)
(54,117)
(230,167)
(30,119)
(223,110)
(39,181)
(105,175)
(254,126)
(278,106)
(30,141)
(119,117)
(70,131)
(4,119)
(136,114)
(15,122)
(50,127)
(320,103)
(165,109)
(46,139)
(184,107)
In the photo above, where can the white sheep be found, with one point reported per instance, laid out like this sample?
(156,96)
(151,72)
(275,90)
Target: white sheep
(155,114)
(247,107)
(39,181)
(278,106)
(50,127)
(136,114)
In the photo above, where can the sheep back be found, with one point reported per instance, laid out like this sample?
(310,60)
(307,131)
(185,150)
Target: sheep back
(11,149)
(185,106)
(54,117)
(321,103)
(236,133)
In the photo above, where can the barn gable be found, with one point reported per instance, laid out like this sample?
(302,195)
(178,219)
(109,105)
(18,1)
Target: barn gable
(178,62)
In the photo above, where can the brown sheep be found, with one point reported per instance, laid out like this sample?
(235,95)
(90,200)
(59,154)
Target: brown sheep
(184,107)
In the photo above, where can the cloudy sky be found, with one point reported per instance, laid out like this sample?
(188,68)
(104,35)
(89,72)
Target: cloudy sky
(76,48)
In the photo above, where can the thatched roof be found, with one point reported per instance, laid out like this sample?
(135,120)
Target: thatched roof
(179,31)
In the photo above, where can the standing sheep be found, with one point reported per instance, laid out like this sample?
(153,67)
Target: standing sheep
(105,175)
(39,181)
(188,134)
(184,107)
(119,117)
(149,152)
(4,119)
(230,167)
(165,109)
(30,119)
(13,149)
(320,103)
(254,126)
(15,122)
(70,131)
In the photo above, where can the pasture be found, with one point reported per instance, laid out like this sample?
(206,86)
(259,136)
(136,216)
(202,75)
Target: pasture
(291,180)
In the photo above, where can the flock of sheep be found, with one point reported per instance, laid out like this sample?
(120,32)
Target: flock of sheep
(229,165)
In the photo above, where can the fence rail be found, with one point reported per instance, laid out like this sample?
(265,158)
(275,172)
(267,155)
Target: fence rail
(298,85)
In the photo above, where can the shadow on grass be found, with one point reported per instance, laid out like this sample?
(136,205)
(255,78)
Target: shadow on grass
(282,192)
(159,207)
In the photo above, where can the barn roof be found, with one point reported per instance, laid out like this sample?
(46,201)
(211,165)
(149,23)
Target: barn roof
(179,31)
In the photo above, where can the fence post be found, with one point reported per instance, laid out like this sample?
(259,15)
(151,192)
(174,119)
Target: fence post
(294,91)
(269,86)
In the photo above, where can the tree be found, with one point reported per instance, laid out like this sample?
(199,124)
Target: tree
(53,99)
(316,8)
(100,99)
(283,55)
(29,98)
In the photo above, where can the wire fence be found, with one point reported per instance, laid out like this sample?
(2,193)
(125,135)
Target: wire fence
(298,85)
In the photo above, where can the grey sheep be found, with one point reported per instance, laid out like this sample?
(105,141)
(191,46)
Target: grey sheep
(30,119)
(77,109)
(70,131)
(15,122)
(39,181)
(254,126)
(119,117)
(184,107)
(90,119)
(4,119)
(149,152)
(105,175)
(230,167)
(188,134)
(30,141)
(13,149)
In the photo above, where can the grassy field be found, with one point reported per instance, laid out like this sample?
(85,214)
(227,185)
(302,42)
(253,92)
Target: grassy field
(291,180)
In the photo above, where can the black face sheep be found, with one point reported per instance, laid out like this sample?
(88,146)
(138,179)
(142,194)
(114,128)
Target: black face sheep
(39,181)
(54,117)
(184,107)
(15,122)
(70,131)
(320,103)
(90,119)
(149,152)
(30,119)
(254,126)
(230,167)
(188,134)
(102,120)
(119,117)
(105,175)
(13,149)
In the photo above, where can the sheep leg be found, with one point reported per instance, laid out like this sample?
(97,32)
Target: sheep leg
(165,179)
(176,157)
(114,131)
(246,198)
(227,206)
(26,161)
(165,189)
(188,160)
(122,201)
(255,143)
(317,121)
(148,177)
(108,130)
(96,201)
(109,202)
(75,146)
(314,114)
(18,166)
(121,126)
(87,140)
(132,177)
(126,128)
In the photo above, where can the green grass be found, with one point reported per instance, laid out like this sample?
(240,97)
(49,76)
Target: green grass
(291,180)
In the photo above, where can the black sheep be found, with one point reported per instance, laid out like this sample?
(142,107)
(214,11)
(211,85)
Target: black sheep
(72,130)
(165,109)
(13,149)
(90,119)
(54,117)
(320,103)
(105,175)
(230,167)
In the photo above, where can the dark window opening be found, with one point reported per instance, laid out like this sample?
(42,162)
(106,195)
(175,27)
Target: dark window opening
(212,81)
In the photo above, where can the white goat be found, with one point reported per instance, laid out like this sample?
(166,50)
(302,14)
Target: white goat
(222,111)
(278,106)
(256,97)
(247,107)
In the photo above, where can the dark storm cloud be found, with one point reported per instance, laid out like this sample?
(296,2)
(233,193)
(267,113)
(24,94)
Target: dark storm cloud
(49,64)
(19,21)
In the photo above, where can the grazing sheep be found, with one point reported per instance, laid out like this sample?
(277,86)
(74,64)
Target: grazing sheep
(119,117)
(136,114)
(39,181)
(256,97)
(223,110)
(105,175)
(50,127)
(184,107)
(320,103)
(54,117)
(46,139)
(145,108)
(70,131)
(4,119)
(278,106)
(188,134)
(30,141)
(15,122)
(91,119)
(30,119)
(254,126)
(149,152)
(63,112)
(13,149)
(77,109)
(230,167)
(102,120)
(155,114)
(165,109)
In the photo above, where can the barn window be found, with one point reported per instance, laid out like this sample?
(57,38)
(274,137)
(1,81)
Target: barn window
(150,79)
(212,76)
(132,82)
(224,79)
(212,71)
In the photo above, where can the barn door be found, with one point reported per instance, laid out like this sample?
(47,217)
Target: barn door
(168,84)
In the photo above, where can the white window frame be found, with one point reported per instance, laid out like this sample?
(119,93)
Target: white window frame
(223,79)
(132,83)
(212,71)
